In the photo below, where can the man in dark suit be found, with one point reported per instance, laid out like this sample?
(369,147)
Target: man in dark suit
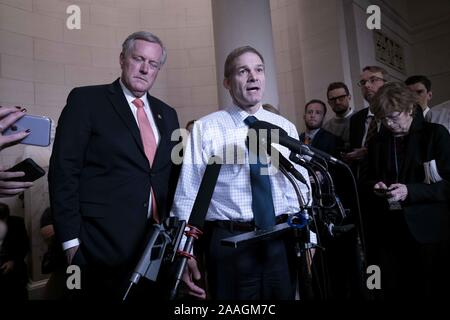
(362,124)
(314,134)
(111,174)
(336,268)
(14,246)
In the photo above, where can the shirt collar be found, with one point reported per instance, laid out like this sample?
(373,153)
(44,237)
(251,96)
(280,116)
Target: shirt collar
(130,97)
(347,113)
(312,133)
(239,115)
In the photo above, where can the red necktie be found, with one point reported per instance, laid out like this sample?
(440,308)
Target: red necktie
(149,142)
(307,140)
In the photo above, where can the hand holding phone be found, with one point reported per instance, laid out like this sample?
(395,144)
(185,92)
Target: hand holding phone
(380,192)
(39,128)
(380,189)
(8,116)
(31,169)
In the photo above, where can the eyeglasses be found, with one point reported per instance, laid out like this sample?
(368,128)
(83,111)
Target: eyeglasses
(371,80)
(392,118)
(337,98)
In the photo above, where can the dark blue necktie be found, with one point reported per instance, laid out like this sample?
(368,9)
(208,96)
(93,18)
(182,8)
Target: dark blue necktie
(262,201)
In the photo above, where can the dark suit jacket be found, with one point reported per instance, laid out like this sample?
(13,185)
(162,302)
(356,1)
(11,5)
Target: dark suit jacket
(100,178)
(426,207)
(358,128)
(325,141)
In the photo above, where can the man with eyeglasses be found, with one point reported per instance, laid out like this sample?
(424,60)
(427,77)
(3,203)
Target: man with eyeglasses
(339,100)
(362,124)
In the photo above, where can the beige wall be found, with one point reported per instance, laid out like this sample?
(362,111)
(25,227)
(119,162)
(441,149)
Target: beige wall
(41,60)
(311,51)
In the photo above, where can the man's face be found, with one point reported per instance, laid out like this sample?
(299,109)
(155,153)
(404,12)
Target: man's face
(247,82)
(314,116)
(423,96)
(140,66)
(372,81)
(339,101)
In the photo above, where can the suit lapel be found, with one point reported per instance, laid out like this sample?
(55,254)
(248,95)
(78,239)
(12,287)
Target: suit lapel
(160,121)
(120,104)
(317,139)
(362,127)
(302,137)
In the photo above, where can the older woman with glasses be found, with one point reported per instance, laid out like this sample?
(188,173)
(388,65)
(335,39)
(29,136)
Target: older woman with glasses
(409,174)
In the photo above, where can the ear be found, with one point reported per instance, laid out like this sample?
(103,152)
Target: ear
(121,59)
(226,83)
(430,95)
(349,97)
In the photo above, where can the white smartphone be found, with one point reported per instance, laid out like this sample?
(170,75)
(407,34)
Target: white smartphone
(40,127)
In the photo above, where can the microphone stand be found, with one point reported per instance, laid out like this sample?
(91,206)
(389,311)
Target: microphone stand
(197,218)
(299,222)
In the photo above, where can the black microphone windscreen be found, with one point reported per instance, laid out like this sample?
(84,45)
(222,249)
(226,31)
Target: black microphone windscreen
(205,192)
(257,125)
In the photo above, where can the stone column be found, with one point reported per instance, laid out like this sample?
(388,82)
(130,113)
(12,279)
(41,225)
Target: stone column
(239,23)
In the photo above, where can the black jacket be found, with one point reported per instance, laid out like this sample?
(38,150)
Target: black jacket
(100,178)
(426,207)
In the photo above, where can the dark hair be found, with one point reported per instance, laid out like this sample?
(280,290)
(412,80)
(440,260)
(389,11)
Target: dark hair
(233,55)
(419,78)
(391,97)
(190,122)
(4,211)
(146,36)
(376,69)
(317,101)
(337,85)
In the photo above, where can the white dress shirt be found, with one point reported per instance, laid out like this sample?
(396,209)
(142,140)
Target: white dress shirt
(215,134)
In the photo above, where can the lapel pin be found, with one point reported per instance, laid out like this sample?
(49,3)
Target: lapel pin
(159,116)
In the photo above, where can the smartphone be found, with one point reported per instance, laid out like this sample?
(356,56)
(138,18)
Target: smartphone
(40,127)
(381,192)
(32,171)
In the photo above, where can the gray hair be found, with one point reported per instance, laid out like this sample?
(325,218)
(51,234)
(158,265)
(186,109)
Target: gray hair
(146,36)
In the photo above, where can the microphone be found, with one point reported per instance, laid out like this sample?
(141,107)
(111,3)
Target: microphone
(205,192)
(197,217)
(285,163)
(293,144)
(291,169)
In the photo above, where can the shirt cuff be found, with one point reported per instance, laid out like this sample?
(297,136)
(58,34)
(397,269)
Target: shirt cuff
(312,237)
(70,244)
